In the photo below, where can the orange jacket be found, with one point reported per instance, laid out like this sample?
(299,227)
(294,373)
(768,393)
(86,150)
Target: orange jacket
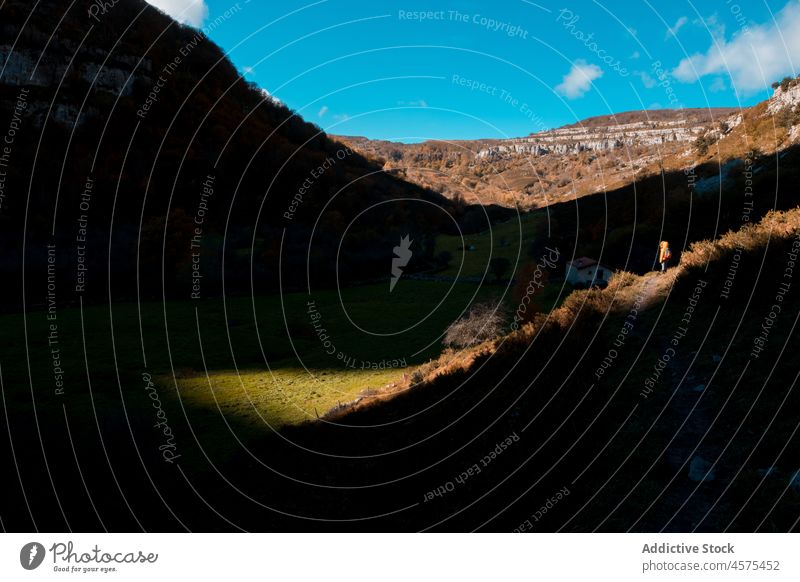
(663,248)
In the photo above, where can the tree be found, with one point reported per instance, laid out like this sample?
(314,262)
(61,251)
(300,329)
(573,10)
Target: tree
(499,266)
(444,258)
(701,144)
(483,322)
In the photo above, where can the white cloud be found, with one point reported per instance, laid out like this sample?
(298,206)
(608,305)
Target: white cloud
(711,24)
(635,55)
(754,57)
(323,110)
(421,103)
(579,79)
(717,85)
(648,81)
(247,70)
(192,12)
(676,27)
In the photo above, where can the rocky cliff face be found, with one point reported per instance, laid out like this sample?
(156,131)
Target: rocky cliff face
(91,67)
(573,140)
(665,130)
(789,97)
(604,134)
(593,155)
(96,67)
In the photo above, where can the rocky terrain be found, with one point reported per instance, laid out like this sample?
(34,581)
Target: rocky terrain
(594,155)
(601,134)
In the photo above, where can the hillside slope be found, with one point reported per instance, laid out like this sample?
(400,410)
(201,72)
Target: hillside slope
(598,154)
(130,127)
(659,403)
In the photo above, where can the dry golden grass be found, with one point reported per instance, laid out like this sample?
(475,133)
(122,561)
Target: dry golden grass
(751,237)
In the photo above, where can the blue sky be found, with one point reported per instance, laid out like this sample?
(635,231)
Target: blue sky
(412,70)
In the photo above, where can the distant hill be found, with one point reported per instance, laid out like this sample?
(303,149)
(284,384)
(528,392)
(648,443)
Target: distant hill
(597,154)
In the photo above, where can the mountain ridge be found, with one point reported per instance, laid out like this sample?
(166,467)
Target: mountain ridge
(597,154)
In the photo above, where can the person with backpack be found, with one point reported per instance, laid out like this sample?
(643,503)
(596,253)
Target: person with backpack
(664,254)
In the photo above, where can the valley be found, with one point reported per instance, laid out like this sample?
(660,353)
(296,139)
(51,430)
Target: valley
(217,316)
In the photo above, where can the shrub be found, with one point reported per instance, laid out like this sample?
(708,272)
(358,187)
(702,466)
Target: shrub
(785,118)
(484,321)
(702,143)
(775,224)
(499,266)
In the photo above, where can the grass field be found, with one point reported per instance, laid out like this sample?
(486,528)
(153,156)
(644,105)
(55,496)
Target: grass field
(260,361)
(510,240)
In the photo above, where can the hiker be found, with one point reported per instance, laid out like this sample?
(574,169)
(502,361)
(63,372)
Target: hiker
(664,254)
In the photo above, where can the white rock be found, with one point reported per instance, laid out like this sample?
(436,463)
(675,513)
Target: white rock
(781,99)
(578,139)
